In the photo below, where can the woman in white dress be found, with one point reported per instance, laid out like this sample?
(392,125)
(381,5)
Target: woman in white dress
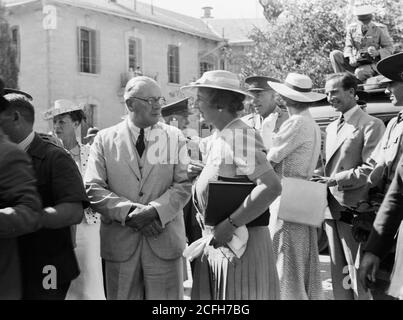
(67,117)
(294,153)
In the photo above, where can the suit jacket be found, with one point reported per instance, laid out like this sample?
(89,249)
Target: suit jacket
(114,182)
(58,181)
(387,154)
(347,156)
(388,218)
(20,213)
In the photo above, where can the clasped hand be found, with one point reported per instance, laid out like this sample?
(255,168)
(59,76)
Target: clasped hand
(223,233)
(194,169)
(144,219)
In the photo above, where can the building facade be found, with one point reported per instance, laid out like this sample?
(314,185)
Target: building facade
(86,51)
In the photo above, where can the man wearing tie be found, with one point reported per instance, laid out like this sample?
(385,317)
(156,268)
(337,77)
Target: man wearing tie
(137,180)
(268,117)
(350,140)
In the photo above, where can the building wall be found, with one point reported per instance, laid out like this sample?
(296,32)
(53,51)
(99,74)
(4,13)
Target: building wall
(56,61)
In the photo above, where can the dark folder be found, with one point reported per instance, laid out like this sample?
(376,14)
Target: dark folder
(224,197)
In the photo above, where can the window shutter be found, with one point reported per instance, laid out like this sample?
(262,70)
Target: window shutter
(97,49)
(79,49)
(139,53)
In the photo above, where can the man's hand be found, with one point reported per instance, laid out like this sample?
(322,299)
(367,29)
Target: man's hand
(373,52)
(152,230)
(329,181)
(141,216)
(194,169)
(369,266)
(353,61)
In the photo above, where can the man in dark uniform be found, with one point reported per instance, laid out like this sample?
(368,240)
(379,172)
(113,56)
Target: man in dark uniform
(20,210)
(47,256)
(366,43)
(386,156)
(176,114)
(268,116)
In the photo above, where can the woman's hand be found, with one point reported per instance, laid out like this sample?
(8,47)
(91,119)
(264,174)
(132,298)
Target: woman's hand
(223,233)
(194,169)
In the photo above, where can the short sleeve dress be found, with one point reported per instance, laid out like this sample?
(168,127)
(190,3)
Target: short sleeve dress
(235,151)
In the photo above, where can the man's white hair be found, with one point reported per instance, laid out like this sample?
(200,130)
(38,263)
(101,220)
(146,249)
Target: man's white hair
(134,85)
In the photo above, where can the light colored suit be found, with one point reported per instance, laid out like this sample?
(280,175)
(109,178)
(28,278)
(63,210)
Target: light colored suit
(347,153)
(115,181)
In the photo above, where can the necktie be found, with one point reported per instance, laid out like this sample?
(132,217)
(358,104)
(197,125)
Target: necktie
(399,117)
(140,145)
(340,124)
(364,29)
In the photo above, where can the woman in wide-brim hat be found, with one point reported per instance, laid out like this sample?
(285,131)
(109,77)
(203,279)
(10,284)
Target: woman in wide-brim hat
(67,116)
(219,273)
(295,153)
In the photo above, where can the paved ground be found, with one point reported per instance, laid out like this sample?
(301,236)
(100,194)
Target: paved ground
(324,270)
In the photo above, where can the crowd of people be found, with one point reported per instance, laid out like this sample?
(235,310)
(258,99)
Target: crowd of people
(115,218)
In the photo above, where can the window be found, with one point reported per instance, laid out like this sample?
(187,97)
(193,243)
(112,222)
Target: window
(134,54)
(205,66)
(173,64)
(88,56)
(15,38)
(89,111)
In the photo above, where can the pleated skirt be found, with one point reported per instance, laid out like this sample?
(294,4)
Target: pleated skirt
(251,277)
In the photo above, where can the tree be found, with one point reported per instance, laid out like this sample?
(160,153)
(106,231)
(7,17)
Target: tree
(301,37)
(8,53)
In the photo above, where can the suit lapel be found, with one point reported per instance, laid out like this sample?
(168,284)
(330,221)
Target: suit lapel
(161,149)
(125,145)
(345,132)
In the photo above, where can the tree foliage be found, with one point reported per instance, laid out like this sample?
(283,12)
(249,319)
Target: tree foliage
(301,35)
(8,53)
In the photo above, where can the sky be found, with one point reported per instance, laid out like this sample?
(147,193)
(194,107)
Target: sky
(221,8)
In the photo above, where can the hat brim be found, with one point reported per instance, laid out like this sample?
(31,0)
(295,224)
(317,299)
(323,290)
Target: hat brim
(295,95)
(256,89)
(392,67)
(90,136)
(50,114)
(15,91)
(195,86)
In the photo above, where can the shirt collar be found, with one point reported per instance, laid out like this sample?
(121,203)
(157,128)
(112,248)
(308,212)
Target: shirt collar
(135,131)
(24,144)
(348,114)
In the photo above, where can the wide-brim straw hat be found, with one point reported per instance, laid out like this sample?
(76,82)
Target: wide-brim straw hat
(297,87)
(362,10)
(219,79)
(61,106)
(392,67)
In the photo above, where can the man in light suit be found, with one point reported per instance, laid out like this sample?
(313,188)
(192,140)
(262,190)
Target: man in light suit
(137,180)
(350,141)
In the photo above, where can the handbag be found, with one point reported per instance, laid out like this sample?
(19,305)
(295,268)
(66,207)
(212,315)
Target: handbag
(303,201)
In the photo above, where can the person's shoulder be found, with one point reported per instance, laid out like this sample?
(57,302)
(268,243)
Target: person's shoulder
(380,25)
(11,151)
(168,128)
(353,26)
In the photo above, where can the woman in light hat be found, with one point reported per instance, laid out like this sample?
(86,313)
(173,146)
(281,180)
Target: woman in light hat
(67,117)
(295,153)
(219,273)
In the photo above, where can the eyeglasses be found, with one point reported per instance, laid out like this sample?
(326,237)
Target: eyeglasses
(152,101)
